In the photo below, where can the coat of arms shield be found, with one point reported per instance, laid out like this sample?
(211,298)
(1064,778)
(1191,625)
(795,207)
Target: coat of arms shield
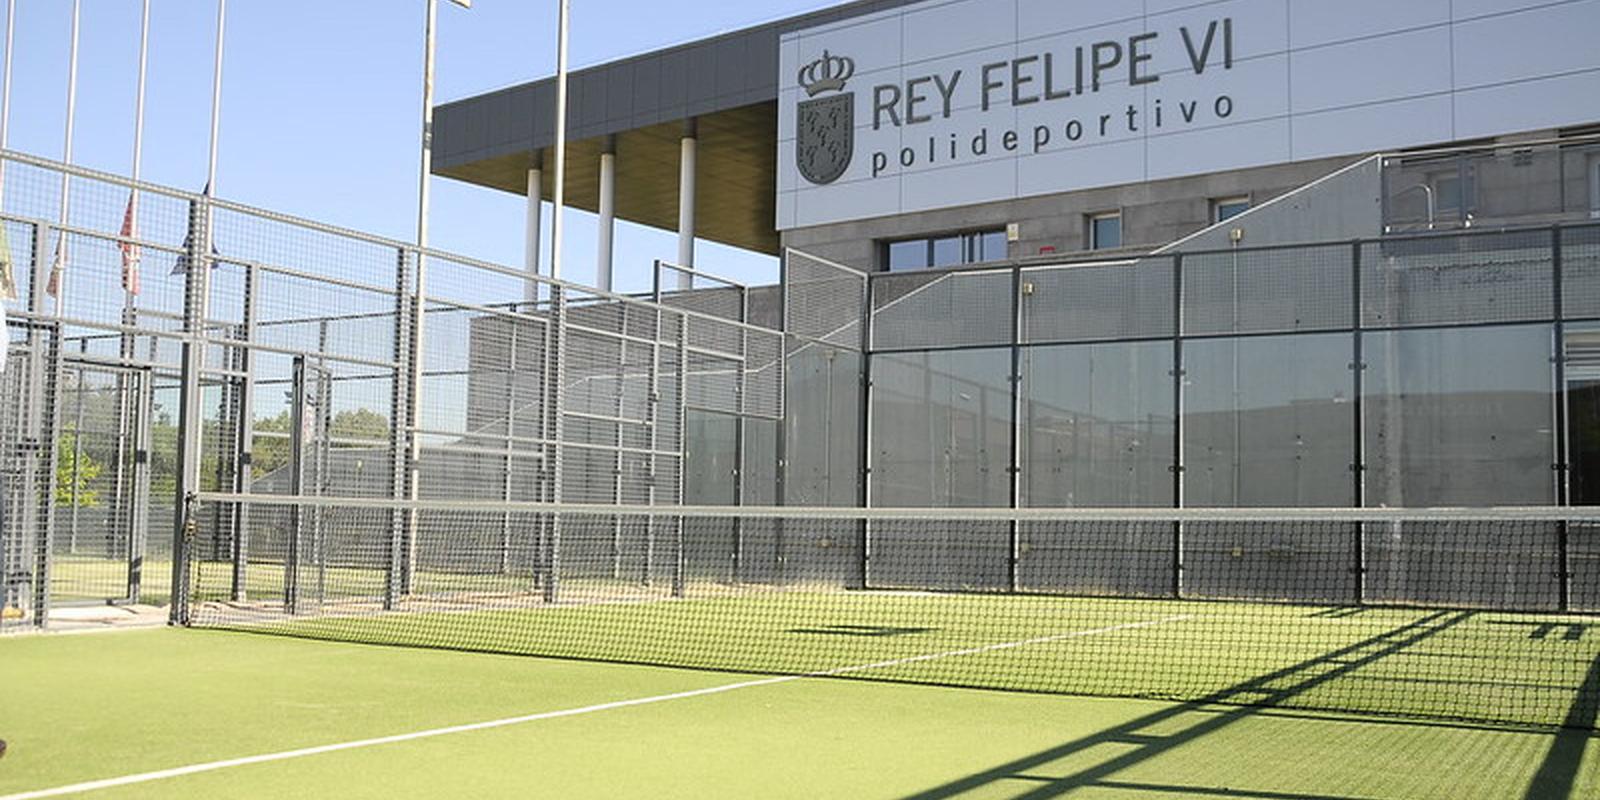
(825,141)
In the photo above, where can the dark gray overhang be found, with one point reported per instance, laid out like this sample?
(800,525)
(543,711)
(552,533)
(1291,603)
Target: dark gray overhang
(728,84)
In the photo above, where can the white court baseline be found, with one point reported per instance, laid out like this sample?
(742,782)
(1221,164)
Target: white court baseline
(286,755)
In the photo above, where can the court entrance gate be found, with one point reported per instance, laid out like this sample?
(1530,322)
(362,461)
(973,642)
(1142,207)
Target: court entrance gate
(102,497)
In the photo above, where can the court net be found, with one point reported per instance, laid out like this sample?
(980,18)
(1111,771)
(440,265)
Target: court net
(1483,615)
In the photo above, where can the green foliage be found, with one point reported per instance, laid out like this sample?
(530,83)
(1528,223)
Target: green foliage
(271,453)
(76,472)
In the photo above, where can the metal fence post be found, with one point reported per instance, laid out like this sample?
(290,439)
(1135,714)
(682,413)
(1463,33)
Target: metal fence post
(654,417)
(740,432)
(506,521)
(298,422)
(139,508)
(781,444)
(679,534)
(1014,467)
(555,379)
(46,388)
(619,411)
(864,452)
(190,416)
(244,416)
(399,436)
(1358,455)
(1563,466)
(38,495)
(415,364)
(1178,374)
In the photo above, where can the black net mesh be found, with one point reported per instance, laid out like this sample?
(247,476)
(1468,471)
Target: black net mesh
(1451,616)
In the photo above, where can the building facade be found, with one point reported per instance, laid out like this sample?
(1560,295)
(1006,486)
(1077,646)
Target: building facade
(1235,253)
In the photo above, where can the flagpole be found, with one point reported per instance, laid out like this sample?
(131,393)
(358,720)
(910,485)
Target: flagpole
(8,286)
(131,267)
(5,83)
(216,102)
(58,269)
(138,105)
(7,274)
(560,193)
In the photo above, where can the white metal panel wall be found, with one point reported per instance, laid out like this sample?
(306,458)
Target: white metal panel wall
(1295,80)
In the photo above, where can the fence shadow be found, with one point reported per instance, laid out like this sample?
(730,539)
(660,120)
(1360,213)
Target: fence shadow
(1245,700)
(1559,770)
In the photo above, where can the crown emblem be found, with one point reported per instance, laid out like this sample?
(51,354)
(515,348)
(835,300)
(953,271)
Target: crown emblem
(828,72)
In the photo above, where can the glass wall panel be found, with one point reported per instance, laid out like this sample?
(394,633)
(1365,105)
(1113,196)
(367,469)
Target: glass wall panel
(710,458)
(1269,422)
(941,428)
(822,427)
(1459,417)
(761,548)
(1097,426)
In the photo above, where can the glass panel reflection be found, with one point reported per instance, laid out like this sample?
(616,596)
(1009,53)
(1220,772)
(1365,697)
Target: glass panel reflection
(1269,422)
(1097,426)
(1460,417)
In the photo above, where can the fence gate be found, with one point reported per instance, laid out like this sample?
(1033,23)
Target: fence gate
(28,413)
(102,484)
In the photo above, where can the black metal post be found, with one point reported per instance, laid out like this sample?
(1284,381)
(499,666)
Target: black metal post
(298,422)
(1014,467)
(197,256)
(243,407)
(1358,452)
(395,581)
(864,452)
(781,446)
(555,433)
(1178,374)
(1563,465)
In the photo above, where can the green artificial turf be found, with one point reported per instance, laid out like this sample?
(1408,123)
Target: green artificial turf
(84,707)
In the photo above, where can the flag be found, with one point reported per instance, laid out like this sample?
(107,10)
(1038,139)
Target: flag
(58,266)
(8,279)
(130,251)
(182,265)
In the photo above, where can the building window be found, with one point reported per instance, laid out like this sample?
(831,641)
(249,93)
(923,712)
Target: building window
(953,250)
(1594,187)
(1105,231)
(1454,195)
(1227,208)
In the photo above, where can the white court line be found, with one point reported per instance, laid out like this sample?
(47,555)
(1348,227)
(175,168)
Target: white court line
(194,769)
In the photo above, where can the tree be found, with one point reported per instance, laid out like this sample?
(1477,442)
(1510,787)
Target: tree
(355,429)
(76,472)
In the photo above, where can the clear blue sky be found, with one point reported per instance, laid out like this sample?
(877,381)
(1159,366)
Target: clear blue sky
(321,103)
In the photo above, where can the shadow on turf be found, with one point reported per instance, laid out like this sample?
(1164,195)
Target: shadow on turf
(1559,771)
(1555,778)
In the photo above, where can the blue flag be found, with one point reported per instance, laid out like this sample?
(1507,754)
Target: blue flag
(183,263)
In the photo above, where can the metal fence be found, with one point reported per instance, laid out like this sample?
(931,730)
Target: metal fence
(1423,370)
(166,343)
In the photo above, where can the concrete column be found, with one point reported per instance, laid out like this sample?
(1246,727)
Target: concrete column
(535,215)
(686,188)
(606,236)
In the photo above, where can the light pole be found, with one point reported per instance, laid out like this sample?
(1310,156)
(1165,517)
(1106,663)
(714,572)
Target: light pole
(418,308)
(560,194)
(429,40)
